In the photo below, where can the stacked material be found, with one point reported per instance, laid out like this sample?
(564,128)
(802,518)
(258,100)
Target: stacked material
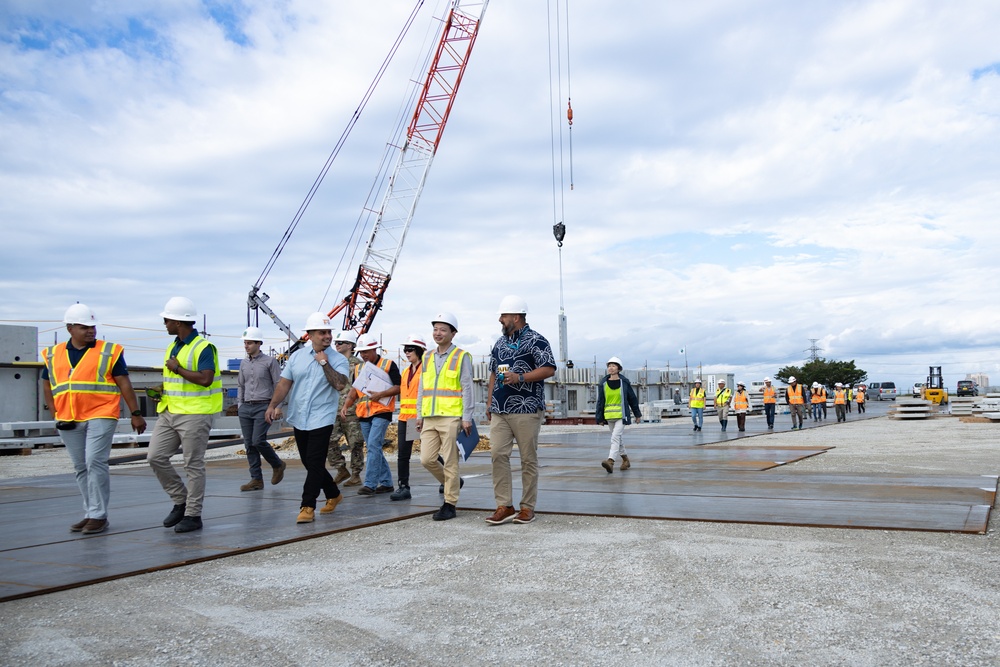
(912,408)
(990,407)
(962,405)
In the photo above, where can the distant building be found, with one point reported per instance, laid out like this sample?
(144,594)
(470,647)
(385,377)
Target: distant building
(981,379)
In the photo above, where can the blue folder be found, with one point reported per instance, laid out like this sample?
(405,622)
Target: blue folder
(467,443)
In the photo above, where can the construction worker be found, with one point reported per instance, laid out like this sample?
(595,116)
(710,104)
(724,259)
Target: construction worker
(840,401)
(615,401)
(311,382)
(83,381)
(723,397)
(741,406)
(444,405)
(347,426)
(374,412)
(770,394)
(192,395)
(824,394)
(406,426)
(817,397)
(795,400)
(696,403)
(850,397)
(520,361)
(259,375)
(860,397)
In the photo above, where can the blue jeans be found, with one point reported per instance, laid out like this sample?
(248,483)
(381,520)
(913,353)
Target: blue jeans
(89,446)
(698,416)
(254,429)
(377,471)
(769,413)
(816,410)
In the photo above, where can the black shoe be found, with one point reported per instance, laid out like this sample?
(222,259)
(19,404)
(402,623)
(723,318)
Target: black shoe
(366,491)
(402,494)
(188,524)
(175,516)
(446,512)
(383,489)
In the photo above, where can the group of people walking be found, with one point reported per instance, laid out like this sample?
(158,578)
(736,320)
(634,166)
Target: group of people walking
(333,386)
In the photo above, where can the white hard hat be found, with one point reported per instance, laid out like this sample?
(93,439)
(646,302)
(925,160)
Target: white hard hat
(80,313)
(253,333)
(697,381)
(722,382)
(767,379)
(318,322)
(415,340)
(180,309)
(839,384)
(346,336)
(512,304)
(367,342)
(616,360)
(741,384)
(815,385)
(447,318)
(791,379)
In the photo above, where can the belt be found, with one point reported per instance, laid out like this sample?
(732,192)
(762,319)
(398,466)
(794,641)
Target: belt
(267,400)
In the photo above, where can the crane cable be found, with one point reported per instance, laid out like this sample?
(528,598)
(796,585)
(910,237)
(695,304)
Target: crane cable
(555,92)
(340,144)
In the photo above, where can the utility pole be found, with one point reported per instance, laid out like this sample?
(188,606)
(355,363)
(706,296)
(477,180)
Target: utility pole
(814,350)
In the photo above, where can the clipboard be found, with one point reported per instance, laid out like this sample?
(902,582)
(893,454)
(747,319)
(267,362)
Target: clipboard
(372,379)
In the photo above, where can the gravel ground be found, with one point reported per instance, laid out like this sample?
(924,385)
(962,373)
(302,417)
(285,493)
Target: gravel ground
(568,590)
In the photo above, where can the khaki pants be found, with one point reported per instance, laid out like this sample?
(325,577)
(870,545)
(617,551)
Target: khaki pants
(439,435)
(504,430)
(189,435)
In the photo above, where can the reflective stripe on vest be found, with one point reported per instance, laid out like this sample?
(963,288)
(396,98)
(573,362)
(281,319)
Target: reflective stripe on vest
(182,397)
(443,391)
(696,399)
(839,397)
(723,397)
(860,398)
(87,391)
(612,402)
(819,397)
(795,395)
(365,407)
(408,394)
(770,394)
(741,401)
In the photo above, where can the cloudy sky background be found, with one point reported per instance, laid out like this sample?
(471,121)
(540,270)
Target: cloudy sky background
(748,176)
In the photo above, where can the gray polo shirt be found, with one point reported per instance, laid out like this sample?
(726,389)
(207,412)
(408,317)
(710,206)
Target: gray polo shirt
(257,378)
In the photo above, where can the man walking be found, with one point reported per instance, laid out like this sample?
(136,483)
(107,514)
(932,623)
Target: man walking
(347,426)
(259,375)
(723,395)
(520,362)
(311,381)
(840,402)
(696,403)
(795,400)
(83,382)
(444,405)
(192,394)
(770,395)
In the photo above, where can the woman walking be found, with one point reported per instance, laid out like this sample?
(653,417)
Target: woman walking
(615,397)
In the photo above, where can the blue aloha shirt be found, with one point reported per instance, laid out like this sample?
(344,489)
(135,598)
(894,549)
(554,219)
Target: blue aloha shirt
(525,351)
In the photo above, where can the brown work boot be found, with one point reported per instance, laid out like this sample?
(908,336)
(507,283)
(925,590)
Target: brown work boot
(502,515)
(625,463)
(342,474)
(95,526)
(253,485)
(278,474)
(355,480)
(78,526)
(608,465)
(525,516)
(331,504)
(307,515)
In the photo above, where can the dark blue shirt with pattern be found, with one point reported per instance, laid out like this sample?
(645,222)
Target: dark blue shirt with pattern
(525,351)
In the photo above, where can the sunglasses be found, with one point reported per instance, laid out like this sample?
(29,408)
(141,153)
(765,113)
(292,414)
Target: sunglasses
(410,348)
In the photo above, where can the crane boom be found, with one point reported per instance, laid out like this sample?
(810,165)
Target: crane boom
(423,136)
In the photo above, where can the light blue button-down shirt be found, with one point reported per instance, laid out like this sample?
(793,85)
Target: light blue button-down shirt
(312,402)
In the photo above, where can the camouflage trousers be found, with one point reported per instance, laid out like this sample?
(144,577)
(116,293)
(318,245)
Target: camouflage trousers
(351,430)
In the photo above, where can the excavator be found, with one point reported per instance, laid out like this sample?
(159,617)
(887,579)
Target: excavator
(934,389)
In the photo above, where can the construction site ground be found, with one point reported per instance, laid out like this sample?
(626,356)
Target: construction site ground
(751,581)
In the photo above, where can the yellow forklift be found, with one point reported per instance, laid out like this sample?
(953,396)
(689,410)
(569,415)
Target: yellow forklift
(934,389)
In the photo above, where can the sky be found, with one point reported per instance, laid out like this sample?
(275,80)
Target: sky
(747,177)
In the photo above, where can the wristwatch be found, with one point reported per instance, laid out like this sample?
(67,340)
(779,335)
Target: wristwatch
(137,413)
(520,378)
(323,363)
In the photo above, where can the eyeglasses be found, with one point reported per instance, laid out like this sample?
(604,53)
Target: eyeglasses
(410,349)
(341,342)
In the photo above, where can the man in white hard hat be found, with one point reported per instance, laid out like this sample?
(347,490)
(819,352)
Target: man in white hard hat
(192,395)
(311,381)
(770,395)
(83,381)
(723,397)
(520,361)
(347,425)
(616,402)
(374,411)
(840,401)
(795,399)
(406,427)
(259,375)
(444,405)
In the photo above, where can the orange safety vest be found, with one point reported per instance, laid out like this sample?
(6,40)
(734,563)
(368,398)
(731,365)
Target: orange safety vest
(408,394)
(839,397)
(366,407)
(795,395)
(860,397)
(819,397)
(741,401)
(87,391)
(770,394)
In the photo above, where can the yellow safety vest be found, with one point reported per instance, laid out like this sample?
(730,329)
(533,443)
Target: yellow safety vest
(612,402)
(696,399)
(187,398)
(87,391)
(722,398)
(442,392)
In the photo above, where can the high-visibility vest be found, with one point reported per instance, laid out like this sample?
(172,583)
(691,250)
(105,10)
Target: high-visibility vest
(612,403)
(182,397)
(770,394)
(87,391)
(795,395)
(839,397)
(442,392)
(818,397)
(697,398)
(366,407)
(408,394)
(860,398)
(741,401)
(722,398)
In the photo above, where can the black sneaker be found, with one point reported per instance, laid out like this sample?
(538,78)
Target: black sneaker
(188,524)
(175,516)
(446,512)
(402,494)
